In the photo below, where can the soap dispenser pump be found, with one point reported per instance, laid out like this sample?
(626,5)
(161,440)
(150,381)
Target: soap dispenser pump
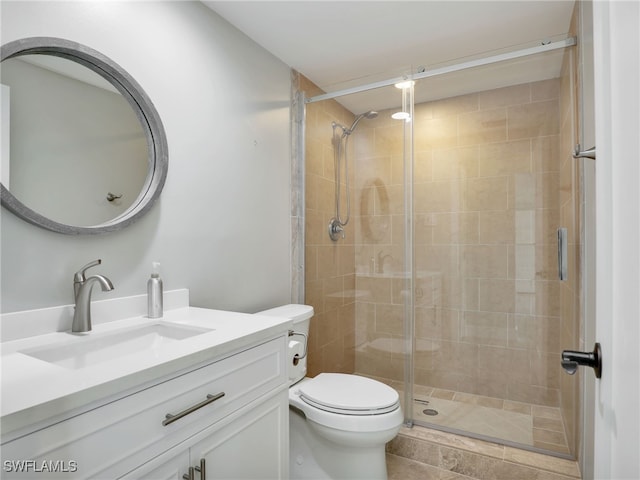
(154,292)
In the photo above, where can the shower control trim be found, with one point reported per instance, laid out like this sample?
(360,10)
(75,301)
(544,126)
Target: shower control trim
(336,229)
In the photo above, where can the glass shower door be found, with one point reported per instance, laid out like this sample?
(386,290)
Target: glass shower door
(445,285)
(493,181)
(383,254)
(360,284)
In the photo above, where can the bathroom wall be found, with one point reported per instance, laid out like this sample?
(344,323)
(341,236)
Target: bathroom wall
(329,265)
(222,226)
(486,205)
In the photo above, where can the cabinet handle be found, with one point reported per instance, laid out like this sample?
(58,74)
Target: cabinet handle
(190,475)
(202,470)
(170,417)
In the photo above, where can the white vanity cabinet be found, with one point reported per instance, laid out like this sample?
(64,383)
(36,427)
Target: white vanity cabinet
(232,412)
(248,446)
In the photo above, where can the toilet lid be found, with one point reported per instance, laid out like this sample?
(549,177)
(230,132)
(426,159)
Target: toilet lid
(349,394)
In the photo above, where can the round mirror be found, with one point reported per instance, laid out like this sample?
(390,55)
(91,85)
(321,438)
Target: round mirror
(87,153)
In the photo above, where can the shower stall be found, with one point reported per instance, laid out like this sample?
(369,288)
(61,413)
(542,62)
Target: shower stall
(445,283)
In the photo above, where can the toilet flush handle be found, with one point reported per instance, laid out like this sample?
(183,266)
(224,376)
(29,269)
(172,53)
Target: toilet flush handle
(296,357)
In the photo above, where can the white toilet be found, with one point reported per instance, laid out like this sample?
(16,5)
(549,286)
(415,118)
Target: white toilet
(338,423)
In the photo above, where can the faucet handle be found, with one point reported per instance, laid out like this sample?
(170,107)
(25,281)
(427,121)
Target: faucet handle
(79,277)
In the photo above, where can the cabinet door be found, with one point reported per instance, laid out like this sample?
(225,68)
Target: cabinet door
(253,446)
(169,466)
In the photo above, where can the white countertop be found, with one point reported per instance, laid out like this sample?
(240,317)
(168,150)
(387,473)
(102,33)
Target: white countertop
(36,391)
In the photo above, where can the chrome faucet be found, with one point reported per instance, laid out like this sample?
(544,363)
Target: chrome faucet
(82,293)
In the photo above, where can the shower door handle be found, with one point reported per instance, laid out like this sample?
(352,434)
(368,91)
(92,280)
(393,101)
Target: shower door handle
(562,253)
(572,359)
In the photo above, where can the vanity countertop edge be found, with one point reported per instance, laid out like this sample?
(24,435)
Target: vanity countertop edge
(36,393)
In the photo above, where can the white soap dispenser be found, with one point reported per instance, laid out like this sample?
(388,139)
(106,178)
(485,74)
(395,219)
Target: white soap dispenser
(154,292)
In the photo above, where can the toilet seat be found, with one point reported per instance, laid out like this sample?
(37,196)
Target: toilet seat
(349,394)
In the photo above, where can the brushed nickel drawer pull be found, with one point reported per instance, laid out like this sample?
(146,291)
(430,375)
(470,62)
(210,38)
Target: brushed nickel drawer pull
(170,418)
(190,475)
(202,469)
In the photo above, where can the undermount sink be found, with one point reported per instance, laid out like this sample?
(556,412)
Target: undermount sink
(90,350)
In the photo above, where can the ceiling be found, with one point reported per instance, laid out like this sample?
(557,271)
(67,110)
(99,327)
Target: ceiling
(342,44)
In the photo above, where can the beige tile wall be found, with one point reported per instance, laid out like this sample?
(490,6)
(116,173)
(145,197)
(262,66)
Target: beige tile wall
(329,266)
(487,206)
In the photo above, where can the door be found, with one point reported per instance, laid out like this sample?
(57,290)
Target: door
(617,100)
(169,466)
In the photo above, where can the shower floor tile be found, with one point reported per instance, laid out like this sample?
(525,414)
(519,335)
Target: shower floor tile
(519,423)
(469,417)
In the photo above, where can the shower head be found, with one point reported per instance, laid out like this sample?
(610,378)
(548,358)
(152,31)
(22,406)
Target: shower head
(368,115)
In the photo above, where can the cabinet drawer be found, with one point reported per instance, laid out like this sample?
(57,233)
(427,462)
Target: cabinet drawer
(113,439)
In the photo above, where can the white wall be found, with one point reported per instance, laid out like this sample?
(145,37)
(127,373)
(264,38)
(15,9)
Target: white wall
(221,227)
(84,141)
(617,113)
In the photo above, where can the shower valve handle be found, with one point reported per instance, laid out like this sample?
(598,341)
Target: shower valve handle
(336,229)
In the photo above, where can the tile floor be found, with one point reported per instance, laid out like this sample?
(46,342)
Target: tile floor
(427,454)
(533,425)
(487,417)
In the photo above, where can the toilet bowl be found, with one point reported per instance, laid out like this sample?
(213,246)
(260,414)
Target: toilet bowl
(338,423)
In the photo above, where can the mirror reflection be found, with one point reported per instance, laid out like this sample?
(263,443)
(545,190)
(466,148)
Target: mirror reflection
(77,154)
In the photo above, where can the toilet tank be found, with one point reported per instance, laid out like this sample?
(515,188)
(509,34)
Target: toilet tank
(297,347)
(300,314)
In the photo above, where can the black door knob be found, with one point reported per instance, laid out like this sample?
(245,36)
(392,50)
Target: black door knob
(572,359)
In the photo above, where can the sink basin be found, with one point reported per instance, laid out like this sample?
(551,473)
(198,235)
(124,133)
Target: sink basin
(89,350)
